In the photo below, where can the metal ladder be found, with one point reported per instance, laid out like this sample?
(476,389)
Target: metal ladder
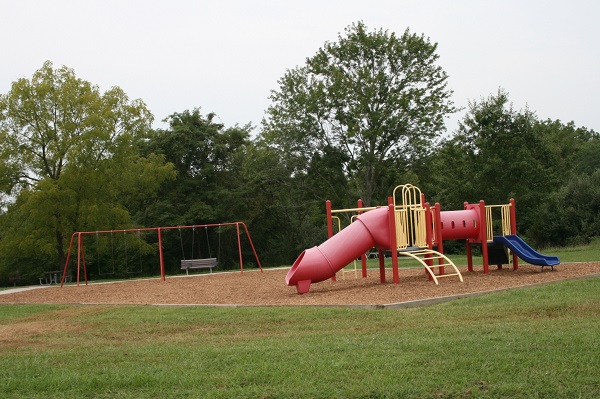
(425,255)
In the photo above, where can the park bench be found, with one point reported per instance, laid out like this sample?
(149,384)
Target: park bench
(207,263)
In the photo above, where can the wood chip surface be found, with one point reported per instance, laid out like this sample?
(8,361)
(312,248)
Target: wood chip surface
(268,288)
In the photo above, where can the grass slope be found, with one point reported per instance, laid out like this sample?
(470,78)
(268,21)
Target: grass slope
(524,343)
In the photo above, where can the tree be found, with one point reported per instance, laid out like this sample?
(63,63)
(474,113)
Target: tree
(203,152)
(378,98)
(209,184)
(56,120)
(571,216)
(499,152)
(69,158)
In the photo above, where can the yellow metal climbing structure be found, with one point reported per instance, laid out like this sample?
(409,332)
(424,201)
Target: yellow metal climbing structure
(411,232)
(428,257)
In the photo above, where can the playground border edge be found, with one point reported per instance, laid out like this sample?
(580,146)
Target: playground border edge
(436,300)
(388,306)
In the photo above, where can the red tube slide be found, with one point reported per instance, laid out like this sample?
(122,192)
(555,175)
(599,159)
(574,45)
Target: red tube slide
(371,229)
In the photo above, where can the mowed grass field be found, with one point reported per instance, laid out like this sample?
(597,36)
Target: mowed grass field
(536,342)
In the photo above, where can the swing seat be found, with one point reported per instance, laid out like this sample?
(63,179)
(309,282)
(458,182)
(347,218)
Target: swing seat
(207,263)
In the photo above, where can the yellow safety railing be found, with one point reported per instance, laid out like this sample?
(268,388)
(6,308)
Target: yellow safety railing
(506,220)
(402,239)
(420,228)
(367,208)
(411,195)
(410,217)
(504,217)
(339,222)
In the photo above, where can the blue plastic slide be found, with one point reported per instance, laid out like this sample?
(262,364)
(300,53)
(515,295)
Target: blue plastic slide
(525,252)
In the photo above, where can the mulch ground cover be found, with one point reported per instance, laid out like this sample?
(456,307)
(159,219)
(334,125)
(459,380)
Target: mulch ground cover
(267,288)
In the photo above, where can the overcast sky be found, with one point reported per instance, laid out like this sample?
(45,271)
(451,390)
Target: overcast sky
(226,56)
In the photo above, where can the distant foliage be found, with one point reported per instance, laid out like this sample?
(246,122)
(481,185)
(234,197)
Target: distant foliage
(69,161)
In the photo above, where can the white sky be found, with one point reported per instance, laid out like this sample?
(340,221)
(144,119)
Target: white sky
(225,56)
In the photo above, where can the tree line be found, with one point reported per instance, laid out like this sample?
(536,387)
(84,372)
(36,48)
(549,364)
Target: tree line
(364,114)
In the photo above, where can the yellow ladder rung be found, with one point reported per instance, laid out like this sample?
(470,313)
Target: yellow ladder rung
(442,265)
(426,258)
(447,275)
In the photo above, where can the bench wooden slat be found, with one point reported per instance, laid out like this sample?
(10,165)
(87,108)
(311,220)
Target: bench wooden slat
(206,263)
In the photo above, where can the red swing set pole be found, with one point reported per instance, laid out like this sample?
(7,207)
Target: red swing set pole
(239,241)
(160,255)
(62,280)
(251,245)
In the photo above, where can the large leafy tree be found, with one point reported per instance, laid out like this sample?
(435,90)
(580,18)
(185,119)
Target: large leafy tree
(499,152)
(571,214)
(375,97)
(205,156)
(494,155)
(56,120)
(69,161)
(209,185)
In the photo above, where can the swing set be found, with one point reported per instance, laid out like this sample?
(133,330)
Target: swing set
(124,248)
(199,262)
(81,259)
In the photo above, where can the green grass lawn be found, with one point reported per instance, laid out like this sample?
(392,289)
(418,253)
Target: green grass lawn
(583,253)
(537,342)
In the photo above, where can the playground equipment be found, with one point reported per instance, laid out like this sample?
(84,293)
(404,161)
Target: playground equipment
(410,227)
(81,260)
(525,252)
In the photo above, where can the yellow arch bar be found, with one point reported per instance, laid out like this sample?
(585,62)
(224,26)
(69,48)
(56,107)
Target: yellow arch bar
(430,255)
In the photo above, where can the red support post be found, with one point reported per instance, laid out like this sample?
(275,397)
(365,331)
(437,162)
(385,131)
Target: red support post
(160,255)
(513,229)
(329,219)
(393,240)
(252,245)
(468,244)
(381,265)
(438,232)
(483,236)
(469,256)
(78,256)
(85,275)
(428,230)
(329,225)
(428,235)
(239,241)
(62,281)
(363,258)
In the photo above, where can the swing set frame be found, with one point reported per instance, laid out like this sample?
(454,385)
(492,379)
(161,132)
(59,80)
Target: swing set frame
(81,263)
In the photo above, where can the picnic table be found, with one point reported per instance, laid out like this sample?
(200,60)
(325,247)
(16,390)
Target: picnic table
(51,277)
